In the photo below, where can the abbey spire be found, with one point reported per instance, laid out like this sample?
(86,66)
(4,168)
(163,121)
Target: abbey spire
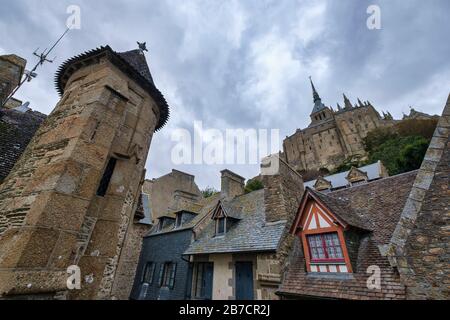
(347,103)
(318,105)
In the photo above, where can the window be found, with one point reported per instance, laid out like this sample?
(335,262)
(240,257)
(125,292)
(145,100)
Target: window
(220,226)
(149,270)
(203,280)
(106,178)
(179,221)
(167,274)
(325,247)
(160,224)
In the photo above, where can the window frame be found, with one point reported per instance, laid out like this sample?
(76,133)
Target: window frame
(179,221)
(199,284)
(167,274)
(152,272)
(324,248)
(224,219)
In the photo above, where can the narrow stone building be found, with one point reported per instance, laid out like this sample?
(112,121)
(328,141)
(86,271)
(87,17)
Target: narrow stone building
(71,197)
(419,247)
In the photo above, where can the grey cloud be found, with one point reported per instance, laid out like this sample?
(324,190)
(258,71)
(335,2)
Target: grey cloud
(244,64)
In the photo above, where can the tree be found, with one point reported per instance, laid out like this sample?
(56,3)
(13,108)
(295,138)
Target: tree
(400,154)
(253,185)
(412,154)
(208,192)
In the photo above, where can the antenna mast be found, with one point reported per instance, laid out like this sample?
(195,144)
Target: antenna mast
(29,75)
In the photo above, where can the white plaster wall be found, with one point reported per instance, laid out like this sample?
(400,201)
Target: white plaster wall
(222,275)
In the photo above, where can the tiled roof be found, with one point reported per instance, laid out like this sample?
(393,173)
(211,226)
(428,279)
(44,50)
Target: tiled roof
(16,130)
(298,282)
(378,205)
(343,210)
(249,233)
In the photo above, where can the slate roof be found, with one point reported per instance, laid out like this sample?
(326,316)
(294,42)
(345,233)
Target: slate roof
(137,59)
(131,63)
(203,209)
(378,205)
(338,180)
(248,233)
(16,130)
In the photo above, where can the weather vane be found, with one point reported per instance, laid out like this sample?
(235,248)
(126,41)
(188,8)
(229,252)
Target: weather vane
(142,46)
(30,75)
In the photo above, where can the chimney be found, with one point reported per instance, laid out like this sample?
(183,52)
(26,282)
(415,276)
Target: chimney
(232,185)
(283,189)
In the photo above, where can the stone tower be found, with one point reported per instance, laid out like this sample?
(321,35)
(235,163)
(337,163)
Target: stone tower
(12,68)
(71,197)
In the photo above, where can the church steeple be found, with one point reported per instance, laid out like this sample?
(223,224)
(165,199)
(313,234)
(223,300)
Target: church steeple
(318,105)
(316,96)
(347,103)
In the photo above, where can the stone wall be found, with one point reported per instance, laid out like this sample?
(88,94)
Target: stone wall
(232,185)
(282,190)
(420,243)
(282,195)
(11,71)
(171,192)
(128,261)
(50,215)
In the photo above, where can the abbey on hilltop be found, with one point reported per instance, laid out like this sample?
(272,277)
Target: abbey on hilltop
(334,135)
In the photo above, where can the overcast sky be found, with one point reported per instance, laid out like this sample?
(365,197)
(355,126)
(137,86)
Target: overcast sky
(245,64)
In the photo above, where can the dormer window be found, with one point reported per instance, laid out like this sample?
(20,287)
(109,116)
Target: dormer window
(221,225)
(160,225)
(322,234)
(325,248)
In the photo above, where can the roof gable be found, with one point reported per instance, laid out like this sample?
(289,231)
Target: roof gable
(337,210)
(313,213)
(356,175)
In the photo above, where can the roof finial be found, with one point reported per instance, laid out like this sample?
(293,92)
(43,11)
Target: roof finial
(142,46)
(315,94)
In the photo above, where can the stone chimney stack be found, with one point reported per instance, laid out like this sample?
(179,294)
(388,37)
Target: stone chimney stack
(232,185)
(283,189)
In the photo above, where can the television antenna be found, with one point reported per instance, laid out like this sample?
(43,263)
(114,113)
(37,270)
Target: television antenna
(31,74)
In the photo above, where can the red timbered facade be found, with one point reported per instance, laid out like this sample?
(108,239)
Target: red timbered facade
(322,236)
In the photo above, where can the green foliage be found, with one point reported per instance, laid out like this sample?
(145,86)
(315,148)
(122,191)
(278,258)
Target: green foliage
(400,154)
(208,192)
(253,185)
(401,147)
(377,137)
